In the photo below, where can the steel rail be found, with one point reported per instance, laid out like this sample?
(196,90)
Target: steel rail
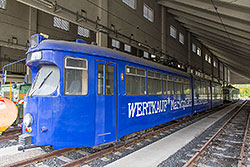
(41,157)
(94,156)
(10,134)
(213,137)
(11,137)
(243,153)
(11,131)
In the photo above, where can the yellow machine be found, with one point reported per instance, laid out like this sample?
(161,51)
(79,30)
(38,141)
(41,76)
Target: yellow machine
(8,113)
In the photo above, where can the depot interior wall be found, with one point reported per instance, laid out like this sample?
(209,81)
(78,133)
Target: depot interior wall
(88,8)
(215,68)
(124,19)
(196,61)
(174,47)
(131,22)
(221,66)
(207,67)
(226,74)
(9,55)
(45,25)
(13,20)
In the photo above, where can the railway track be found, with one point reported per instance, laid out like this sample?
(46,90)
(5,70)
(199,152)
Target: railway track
(227,147)
(10,134)
(245,152)
(91,155)
(42,157)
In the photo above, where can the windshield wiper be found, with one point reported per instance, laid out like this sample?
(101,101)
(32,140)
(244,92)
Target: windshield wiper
(42,82)
(45,79)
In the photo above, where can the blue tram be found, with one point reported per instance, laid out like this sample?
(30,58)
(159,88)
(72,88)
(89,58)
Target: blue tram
(85,95)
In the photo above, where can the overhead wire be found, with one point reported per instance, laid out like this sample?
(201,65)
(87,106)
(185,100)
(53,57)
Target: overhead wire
(221,20)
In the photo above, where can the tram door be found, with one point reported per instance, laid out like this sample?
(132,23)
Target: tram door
(105,102)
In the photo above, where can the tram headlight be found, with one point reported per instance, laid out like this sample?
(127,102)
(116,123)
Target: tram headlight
(27,120)
(34,56)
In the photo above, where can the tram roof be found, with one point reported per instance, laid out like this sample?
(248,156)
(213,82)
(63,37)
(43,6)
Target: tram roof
(59,45)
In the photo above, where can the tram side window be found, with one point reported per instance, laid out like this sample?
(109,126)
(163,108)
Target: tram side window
(197,88)
(213,92)
(220,91)
(168,84)
(109,80)
(76,76)
(221,94)
(186,87)
(154,83)
(208,90)
(217,92)
(164,86)
(165,83)
(135,81)
(178,87)
(170,88)
(203,91)
(100,79)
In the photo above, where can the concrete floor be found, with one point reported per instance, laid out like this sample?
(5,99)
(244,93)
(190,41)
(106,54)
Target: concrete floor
(11,154)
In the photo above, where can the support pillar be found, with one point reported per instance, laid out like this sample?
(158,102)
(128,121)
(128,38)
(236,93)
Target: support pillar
(102,38)
(163,29)
(212,66)
(189,52)
(32,30)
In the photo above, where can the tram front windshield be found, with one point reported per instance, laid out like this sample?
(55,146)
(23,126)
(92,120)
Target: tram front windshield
(46,81)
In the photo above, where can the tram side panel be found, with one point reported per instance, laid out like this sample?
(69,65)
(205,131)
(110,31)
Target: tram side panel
(201,93)
(140,109)
(217,98)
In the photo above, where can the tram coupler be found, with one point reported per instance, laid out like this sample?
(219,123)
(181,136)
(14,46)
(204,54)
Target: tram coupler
(25,141)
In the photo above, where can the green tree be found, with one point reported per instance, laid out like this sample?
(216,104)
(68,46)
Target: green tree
(244,90)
